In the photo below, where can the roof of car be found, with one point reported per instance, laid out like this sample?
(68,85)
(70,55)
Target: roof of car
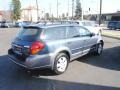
(84,20)
(45,26)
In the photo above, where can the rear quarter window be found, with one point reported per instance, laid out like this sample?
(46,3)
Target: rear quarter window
(55,33)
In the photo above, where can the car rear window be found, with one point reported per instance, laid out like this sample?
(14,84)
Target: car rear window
(29,33)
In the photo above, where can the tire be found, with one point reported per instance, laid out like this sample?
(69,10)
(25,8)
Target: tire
(61,63)
(99,49)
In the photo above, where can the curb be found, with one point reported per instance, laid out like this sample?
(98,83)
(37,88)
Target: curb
(111,37)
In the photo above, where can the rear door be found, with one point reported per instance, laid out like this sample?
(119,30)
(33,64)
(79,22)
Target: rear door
(54,38)
(89,41)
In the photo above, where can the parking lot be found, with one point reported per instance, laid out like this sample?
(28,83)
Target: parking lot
(87,73)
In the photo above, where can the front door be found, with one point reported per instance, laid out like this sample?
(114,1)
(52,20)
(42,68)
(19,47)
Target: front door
(74,42)
(89,40)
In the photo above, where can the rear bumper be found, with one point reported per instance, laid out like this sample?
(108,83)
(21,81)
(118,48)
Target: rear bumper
(32,62)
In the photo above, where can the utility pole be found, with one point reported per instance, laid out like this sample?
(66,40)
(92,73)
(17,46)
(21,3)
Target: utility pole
(44,15)
(68,10)
(72,9)
(100,12)
(37,10)
(50,9)
(57,9)
(81,1)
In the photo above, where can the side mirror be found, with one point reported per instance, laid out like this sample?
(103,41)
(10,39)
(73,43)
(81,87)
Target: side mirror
(92,34)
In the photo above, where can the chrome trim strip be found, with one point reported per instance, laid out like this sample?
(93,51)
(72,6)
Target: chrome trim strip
(89,45)
(76,55)
(27,46)
(16,45)
(77,48)
(20,46)
(86,50)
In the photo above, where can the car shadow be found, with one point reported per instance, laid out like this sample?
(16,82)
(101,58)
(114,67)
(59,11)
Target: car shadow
(40,72)
(13,77)
(109,59)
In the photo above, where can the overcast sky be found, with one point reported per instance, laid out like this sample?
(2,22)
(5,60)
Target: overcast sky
(109,6)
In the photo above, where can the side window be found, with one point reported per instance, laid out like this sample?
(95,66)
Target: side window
(84,32)
(55,33)
(72,32)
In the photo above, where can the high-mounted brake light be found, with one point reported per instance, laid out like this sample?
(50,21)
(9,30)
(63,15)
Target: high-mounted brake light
(36,47)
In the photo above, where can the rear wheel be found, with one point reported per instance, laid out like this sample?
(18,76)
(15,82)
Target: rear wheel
(61,63)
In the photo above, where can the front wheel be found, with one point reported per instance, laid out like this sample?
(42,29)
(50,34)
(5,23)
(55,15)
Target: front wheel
(99,49)
(61,63)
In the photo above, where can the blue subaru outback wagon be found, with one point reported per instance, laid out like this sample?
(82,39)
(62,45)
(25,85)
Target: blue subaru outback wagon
(53,46)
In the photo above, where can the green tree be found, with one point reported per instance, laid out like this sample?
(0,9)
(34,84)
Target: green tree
(63,16)
(78,11)
(15,10)
(47,16)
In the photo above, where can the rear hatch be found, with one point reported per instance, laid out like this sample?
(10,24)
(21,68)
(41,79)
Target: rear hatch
(21,44)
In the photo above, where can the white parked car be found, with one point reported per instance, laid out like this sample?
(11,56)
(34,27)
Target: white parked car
(91,25)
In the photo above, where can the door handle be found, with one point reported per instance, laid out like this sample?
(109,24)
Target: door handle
(69,42)
(77,36)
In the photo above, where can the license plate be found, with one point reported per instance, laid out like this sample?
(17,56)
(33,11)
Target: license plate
(17,49)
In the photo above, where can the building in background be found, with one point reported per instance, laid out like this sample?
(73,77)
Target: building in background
(5,15)
(30,14)
(1,16)
(27,14)
(106,17)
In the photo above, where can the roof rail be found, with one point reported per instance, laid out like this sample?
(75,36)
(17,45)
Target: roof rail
(55,23)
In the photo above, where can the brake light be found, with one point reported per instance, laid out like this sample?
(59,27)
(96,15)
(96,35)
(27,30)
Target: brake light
(36,47)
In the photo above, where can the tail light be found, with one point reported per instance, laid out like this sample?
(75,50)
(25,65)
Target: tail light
(36,47)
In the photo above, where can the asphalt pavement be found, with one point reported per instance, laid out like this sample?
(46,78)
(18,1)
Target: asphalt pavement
(86,73)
